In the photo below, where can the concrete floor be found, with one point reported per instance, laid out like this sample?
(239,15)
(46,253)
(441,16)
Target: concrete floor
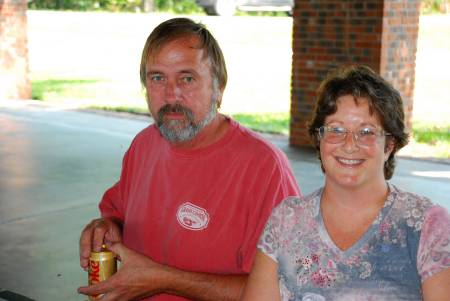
(55,165)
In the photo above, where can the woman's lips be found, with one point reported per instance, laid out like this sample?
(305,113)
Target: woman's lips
(349,162)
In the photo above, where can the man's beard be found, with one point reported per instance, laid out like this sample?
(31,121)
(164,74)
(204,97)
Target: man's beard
(177,131)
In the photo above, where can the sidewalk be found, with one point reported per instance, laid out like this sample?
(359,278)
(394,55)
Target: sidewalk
(55,165)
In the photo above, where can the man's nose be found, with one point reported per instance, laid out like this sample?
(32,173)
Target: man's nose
(173,92)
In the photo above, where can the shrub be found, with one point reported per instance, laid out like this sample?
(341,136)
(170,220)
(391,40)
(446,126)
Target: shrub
(435,6)
(176,6)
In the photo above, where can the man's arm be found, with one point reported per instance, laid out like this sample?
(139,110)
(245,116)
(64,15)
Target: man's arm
(206,287)
(140,277)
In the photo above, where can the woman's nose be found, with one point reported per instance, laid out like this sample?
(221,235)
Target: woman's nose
(350,142)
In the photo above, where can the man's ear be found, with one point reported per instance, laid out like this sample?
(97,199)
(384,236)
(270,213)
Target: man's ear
(218,97)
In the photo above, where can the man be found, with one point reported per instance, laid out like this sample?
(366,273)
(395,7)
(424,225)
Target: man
(196,188)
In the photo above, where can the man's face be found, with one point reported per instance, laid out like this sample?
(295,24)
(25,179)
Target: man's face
(180,90)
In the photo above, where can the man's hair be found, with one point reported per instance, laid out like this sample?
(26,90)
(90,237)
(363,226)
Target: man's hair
(384,101)
(176,28)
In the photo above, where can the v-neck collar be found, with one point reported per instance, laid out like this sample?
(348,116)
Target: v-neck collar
(369,234)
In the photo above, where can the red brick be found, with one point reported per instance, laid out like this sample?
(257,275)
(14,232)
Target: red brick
(354,33)
(14,68)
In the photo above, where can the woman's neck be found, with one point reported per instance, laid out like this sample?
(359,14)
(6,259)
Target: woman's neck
(357,199)
(348,213)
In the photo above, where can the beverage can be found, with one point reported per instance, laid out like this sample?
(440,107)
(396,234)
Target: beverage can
(102,265)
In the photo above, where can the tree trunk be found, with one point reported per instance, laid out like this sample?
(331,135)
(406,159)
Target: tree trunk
(147,6)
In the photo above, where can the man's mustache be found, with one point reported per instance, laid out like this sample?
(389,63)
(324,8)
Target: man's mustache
(176,108)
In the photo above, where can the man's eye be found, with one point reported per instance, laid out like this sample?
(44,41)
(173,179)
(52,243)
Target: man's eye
(188,79)
(156,78)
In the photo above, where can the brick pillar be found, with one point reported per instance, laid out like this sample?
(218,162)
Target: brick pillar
(331,33)
(14,69)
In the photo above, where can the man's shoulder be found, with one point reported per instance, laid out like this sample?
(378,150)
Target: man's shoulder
(255,142)
(147,138)
(148,132)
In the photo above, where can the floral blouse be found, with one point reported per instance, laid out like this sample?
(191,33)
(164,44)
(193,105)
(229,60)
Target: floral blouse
(408,242)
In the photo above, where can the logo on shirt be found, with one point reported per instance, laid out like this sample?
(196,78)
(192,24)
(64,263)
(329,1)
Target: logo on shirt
(192,217)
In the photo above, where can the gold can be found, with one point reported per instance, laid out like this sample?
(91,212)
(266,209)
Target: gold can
(102,265)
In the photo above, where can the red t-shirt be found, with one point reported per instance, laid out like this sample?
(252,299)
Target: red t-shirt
(200,210)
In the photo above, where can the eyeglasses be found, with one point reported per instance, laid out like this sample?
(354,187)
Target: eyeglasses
(365,136)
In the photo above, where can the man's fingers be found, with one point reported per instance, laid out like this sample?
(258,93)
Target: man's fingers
(95,289)
(84,264)
(115,247)
(113,236)
(110,296)
(94,235)
(119,249)
(98,239)
(85,245)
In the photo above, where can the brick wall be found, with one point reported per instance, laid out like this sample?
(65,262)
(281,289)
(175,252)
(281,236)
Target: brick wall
(14,69)
(399,46)
(330,33)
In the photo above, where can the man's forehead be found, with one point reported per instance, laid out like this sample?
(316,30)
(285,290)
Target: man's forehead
(189,42)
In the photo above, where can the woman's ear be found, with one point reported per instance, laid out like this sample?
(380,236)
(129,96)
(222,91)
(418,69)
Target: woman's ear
(389,147)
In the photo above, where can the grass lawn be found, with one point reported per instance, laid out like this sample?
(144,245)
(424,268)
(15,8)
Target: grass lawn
(429,139)
(97,67)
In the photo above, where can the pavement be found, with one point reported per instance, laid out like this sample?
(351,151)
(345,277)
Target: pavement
(55,164)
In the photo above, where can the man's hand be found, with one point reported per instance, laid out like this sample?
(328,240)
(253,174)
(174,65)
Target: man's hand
(138,277)
(96,233)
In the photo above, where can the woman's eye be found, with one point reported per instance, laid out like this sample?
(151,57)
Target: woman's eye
(337,130)
(367,132)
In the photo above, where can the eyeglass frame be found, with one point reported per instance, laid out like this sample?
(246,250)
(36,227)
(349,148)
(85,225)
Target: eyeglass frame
(325,129)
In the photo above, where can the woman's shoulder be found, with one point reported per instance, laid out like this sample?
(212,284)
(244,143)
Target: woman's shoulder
(403,194)
(402,198)
(309,203)
(412,207)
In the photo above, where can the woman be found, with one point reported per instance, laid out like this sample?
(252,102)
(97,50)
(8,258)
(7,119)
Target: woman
(359,237)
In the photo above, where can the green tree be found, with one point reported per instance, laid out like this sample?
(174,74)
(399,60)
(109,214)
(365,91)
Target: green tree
(147,5)
(435,6)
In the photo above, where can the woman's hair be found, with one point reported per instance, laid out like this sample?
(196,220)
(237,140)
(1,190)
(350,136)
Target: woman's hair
(384,101)
(175,28)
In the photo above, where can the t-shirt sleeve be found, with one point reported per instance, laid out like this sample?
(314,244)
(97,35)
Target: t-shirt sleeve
(110,205)
(434,246)
(274,187)
(114,199)
(269,241)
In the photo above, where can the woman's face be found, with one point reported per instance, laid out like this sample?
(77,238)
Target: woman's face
(356,160)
